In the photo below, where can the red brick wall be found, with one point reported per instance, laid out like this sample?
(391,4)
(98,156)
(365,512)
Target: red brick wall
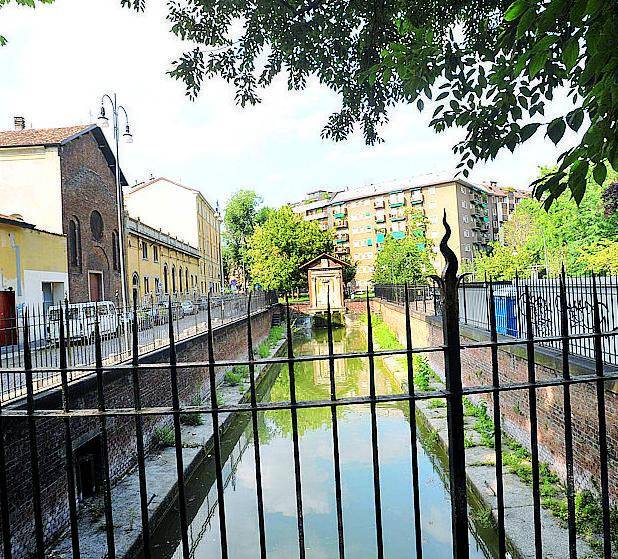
(513,368)
(230,342)
(88,183)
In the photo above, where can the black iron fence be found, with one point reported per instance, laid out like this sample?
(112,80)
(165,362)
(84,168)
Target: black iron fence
(151,317)
(33,415)
(510,312)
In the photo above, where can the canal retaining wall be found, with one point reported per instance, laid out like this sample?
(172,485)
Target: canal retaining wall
(513,368)
(155,390)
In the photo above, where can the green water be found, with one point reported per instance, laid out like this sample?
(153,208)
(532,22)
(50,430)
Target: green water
(316,456)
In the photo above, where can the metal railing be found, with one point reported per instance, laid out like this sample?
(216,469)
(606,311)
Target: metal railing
(510,312)
(453,394)
(115,324)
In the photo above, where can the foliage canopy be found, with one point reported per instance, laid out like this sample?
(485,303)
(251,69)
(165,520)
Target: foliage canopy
(279,246)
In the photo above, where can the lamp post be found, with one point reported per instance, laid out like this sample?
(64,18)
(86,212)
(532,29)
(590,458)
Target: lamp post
(103,122)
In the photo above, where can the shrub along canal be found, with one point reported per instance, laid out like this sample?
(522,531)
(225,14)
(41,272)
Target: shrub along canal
(316,455)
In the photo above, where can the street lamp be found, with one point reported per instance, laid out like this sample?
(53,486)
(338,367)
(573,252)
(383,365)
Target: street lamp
(103,122)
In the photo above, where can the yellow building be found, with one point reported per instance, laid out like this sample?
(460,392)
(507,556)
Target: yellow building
(33,269)
(183,212)
(159,264)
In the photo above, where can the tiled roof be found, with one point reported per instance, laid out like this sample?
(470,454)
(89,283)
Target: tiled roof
(42,136)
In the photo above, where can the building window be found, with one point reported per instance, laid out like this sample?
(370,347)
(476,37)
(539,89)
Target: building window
(144,250)
(115,251)
(165,284)
(96,225)
(146,285)
(135,286)
(173,279)
(187,279)
(466,233)
(464,204)
(467,248)
(465,219)
(75,242)
(155,253)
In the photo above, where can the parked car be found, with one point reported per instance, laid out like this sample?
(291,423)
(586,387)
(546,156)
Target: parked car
(80,321)
(188,307)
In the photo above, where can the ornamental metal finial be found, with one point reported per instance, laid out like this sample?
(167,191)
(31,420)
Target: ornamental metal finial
(449,273)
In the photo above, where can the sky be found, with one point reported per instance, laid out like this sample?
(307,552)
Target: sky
(61,58)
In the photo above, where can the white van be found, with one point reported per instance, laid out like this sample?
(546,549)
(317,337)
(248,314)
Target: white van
(81,320)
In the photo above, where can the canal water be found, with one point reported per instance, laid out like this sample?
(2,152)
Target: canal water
(316,455)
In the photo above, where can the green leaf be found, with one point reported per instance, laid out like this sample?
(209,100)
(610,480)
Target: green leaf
(600,173)
(515,10)
(420,104)
(525,22)
(571,53)
(555,129)
(528,130)
(537,63)
(442,95)
(575,118)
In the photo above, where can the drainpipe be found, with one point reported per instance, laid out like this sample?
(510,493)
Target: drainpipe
(16,248)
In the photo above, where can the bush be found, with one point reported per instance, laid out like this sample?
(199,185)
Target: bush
(164,436)
(193,418)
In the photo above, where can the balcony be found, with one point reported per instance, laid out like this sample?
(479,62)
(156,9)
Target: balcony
(380,218)
(342,249)
(397,217)
(416,199)
(339,212)
(342,238)
(378,204)
(341,224)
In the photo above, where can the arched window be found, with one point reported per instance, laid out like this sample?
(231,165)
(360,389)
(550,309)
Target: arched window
(96,225)
(180,279)
(135,286)
(75,242)
(187,279)
(115,251)
(173,279)
(165,286)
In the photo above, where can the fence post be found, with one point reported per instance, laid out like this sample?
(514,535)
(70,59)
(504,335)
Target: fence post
(449,287)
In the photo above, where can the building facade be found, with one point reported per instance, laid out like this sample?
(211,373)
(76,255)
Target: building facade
(185,214)
(63,180)
(505,201)
(159,265)
(363,218)
(33,264)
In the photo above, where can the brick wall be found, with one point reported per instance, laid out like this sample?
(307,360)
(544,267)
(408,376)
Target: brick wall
(155,388)
(88,184)
(513,368)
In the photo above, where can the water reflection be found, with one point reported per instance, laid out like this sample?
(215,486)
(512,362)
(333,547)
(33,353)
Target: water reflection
(314,425)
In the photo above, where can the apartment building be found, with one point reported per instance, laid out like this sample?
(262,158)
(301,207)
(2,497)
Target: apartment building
(182,212)
(505,200)
(159,264)
(363,218)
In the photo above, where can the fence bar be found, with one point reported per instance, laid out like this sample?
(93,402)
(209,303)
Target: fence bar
(256,434)
(335,428)
(212,378)
(568,425)
(68,445)
(4,497)
(34,453)
(449,285)
(107,488)
(495,376)
(180,469)
(374,435)
(600,386)
(139,439)
(416,498)
(534,433)
(295,441)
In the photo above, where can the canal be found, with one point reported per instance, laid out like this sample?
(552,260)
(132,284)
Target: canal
(316,454)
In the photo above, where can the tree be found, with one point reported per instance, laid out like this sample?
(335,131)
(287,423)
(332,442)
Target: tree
(491,65)
(241,216)
(601,258)
(568,234)
(402,260)
(278,248)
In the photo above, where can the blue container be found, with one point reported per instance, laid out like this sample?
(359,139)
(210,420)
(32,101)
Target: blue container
(506,317)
